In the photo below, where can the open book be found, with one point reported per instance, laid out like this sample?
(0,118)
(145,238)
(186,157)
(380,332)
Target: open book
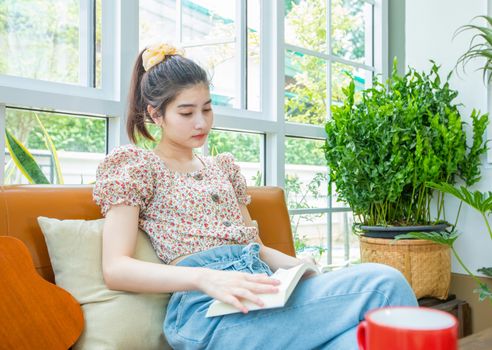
(288,281)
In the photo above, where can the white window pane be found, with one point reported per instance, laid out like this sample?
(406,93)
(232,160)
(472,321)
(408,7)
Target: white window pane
(98,44)
(207,20)
(311,238)
(157,22)
(80,143)
(254,56)
(40,39)
(345,243)
(340,74)
(306,174)
(351,30)
(305,24)
(245,147)
(305,89)
(220,62)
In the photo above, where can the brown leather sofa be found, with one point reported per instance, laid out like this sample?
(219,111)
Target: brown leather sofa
(20,205)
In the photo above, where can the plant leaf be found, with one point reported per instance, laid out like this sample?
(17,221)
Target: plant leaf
(478,200)
(444,237)
(51,147)
(24,160)
(483,292)
(487,271)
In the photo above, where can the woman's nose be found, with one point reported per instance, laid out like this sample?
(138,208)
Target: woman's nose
(200,121)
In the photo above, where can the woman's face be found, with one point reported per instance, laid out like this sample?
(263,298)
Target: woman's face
(188,119)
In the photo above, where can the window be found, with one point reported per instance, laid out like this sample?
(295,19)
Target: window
(51,40)
(80,144)
(277,67)
(327,43)
(245,147)
(211,36)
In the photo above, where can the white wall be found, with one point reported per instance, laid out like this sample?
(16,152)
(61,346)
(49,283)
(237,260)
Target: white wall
(430,26)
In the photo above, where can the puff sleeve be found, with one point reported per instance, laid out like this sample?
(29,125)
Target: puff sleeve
(227,164)
(124,177)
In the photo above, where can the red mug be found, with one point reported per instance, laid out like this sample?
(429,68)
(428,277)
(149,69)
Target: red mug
(408,328)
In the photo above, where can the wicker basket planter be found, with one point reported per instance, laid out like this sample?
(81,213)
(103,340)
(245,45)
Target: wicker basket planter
(425,265)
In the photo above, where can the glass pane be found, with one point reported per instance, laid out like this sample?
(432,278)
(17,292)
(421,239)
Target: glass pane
(340,79)
(345,243)
(40,39)
(351,30)
(305,89)
(157,22)
(311,238)
(336,201)
(246,150)
(80,144)
(98,45)
(220,62)
(305,24)
(253,68)
(207,19)
(306,174)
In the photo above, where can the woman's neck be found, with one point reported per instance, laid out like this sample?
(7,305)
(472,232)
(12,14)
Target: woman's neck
(169,150)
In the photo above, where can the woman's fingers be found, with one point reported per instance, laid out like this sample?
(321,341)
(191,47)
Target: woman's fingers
(260,288)
(261,278)
(248,295)
(231,299)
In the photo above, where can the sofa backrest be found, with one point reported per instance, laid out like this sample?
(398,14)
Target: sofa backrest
(20,205)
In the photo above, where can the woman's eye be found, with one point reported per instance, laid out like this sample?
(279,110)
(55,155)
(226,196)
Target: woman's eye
(186,114)
(207,110)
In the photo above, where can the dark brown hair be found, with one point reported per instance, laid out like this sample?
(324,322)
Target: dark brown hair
(158,87)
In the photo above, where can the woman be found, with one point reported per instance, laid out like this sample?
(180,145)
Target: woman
(194,210)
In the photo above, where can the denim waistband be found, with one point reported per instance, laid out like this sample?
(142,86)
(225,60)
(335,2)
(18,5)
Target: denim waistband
(228,255)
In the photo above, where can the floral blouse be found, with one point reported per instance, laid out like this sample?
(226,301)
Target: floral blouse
(182,213)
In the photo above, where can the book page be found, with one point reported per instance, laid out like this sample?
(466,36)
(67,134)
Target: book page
(288,280)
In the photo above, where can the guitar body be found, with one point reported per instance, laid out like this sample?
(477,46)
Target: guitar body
(34,313)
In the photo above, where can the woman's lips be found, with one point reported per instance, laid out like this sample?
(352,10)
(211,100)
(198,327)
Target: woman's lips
(199,136)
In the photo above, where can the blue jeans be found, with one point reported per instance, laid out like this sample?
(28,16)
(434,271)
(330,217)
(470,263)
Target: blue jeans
(322,313)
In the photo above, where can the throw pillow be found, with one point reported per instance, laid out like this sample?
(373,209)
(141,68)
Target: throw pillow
(113,319)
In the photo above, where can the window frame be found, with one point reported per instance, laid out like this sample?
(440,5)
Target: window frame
(120,19)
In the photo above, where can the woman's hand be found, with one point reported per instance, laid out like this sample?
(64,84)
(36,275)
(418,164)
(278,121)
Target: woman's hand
(309,260)
(233,286)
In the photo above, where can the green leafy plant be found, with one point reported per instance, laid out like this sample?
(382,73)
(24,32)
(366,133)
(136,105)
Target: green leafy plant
(25,161)
(382,150)
(480,201)
(480,46)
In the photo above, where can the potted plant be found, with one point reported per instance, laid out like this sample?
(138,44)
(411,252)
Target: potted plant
(481,48)
(383,146)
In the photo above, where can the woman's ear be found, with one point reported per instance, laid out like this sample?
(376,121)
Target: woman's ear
(154,115)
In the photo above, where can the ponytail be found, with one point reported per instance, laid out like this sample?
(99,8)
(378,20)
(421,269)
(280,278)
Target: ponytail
(137,111)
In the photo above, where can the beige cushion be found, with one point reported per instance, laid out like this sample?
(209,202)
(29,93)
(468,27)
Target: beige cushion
(113,319)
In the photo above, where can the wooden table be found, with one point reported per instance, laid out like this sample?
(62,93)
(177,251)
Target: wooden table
(459,308)
(478,341)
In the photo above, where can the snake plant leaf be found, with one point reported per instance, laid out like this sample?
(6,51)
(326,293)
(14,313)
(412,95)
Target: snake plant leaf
(444,237)
(24,160)
(487,271)
(50,145)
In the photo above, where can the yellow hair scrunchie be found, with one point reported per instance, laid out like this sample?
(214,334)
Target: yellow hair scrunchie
(155,54)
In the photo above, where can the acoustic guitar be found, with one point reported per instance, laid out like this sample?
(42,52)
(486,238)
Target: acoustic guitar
(34,313)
